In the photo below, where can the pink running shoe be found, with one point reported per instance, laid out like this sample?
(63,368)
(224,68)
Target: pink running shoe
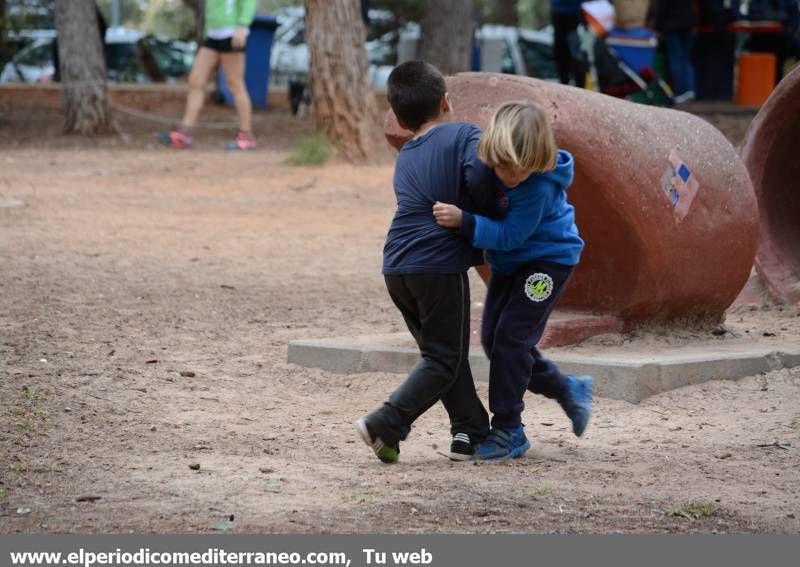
(243,142)
(178,138)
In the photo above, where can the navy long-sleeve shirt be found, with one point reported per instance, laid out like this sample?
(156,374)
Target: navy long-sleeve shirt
(441,165)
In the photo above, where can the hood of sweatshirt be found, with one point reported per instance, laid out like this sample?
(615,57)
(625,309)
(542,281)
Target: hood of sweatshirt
(564,172)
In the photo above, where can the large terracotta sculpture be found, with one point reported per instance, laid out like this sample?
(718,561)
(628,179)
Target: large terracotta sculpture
(770,152)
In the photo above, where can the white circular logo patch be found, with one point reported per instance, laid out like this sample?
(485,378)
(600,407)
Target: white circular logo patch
(538,287)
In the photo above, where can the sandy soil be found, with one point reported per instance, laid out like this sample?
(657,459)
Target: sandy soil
(147,300)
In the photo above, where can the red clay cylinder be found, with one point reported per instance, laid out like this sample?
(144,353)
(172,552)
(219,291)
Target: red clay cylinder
(770,154)
(647,258)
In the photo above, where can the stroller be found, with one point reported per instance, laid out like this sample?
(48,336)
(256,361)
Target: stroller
(622,61)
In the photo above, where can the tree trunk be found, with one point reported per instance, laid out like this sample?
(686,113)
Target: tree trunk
(2,21)
(198,8)
(447,30)
(343,102)
(4,51)
(83,69)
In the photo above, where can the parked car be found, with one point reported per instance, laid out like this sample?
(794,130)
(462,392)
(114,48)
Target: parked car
(501,49)
(33,63)
(131,56)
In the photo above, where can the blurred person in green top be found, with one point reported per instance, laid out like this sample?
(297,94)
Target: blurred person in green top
(227,23)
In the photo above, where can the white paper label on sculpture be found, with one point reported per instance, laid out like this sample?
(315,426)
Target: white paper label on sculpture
(679,184)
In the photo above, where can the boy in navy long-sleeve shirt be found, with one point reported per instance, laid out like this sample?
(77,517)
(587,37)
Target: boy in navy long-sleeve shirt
(425,266)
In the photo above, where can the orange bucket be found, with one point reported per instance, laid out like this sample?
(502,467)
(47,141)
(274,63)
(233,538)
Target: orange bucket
(756,78)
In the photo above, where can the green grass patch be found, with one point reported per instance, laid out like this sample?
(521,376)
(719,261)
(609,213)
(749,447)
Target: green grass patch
(693,511)
(3,494)
(311,150)
(544,490)
(272,483)
(24,425)
(360,498)
(32,394)
(43,469)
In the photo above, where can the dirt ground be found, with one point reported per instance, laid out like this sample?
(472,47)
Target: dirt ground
(148,297)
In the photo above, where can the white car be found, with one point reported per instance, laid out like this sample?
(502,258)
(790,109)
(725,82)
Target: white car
(502,49)
(124,50)
(34,63)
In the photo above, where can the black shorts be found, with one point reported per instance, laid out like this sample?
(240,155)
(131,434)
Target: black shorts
(222,45)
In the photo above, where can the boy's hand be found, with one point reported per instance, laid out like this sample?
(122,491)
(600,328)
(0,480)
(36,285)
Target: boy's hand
(447,215)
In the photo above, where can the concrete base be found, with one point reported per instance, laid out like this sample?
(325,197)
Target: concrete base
(9,203)
(620,372)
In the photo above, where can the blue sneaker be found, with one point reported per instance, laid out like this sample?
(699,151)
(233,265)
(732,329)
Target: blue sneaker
(503,444)
(577,402)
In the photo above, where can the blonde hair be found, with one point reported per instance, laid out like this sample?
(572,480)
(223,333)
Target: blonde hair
(519,135)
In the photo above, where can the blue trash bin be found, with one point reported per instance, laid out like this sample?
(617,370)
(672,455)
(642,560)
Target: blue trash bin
(256,62)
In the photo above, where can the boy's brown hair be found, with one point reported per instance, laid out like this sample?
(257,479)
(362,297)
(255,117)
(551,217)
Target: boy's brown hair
(415,90)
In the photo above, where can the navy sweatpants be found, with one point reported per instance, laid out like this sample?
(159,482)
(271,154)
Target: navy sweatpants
(514,318)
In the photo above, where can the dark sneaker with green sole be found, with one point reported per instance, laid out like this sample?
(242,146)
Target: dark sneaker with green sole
(385,452)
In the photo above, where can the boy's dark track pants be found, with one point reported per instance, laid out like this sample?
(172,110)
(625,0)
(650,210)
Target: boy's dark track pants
(514,319)
(436,309)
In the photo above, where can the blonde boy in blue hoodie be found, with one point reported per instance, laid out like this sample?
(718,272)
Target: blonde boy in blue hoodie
(532,253)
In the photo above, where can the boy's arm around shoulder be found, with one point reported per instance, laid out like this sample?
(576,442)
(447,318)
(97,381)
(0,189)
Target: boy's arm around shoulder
(520,223)
(479,196)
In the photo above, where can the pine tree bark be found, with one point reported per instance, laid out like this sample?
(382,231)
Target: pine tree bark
(83,69)
(2,21)
(198,8)
(5,52)
(447,31)
(343,102)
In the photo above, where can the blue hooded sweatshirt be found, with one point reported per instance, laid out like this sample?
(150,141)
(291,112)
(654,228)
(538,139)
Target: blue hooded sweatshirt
(539,226)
